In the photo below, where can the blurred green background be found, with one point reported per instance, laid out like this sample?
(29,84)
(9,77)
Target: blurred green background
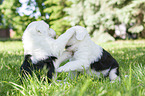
(105,20)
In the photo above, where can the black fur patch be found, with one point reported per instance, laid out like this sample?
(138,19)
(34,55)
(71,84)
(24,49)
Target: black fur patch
(27,67)
(106,62)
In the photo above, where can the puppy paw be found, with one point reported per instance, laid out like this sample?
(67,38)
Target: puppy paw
(62,69)
(59,70)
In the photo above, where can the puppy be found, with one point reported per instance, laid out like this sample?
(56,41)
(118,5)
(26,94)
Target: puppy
(89,56)
(41,49)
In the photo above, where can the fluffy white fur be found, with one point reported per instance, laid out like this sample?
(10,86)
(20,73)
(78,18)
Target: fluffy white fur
(85,52)
(39,42)
(83,49)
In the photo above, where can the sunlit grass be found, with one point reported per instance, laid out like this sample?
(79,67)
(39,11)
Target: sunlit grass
(129,54)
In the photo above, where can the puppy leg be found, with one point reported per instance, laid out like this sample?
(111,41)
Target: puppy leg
(65,56)
(113,74)
(72,66)
(62,40)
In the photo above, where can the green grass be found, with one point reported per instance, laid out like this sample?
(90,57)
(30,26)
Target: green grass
(129,54)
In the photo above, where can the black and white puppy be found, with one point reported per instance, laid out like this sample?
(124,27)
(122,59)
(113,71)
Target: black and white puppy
(89,56)
(41,49)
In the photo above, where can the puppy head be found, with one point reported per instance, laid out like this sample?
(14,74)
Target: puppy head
(40,28)
(80,34)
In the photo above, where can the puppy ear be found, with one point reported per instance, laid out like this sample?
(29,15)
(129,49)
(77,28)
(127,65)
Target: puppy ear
(80,34)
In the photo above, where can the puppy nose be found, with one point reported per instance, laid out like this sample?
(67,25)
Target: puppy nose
(67,46)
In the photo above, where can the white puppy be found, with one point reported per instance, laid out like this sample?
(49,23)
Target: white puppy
(41,49)
(39,42)
(88,55)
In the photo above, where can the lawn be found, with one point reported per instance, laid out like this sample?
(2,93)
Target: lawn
(129,54)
